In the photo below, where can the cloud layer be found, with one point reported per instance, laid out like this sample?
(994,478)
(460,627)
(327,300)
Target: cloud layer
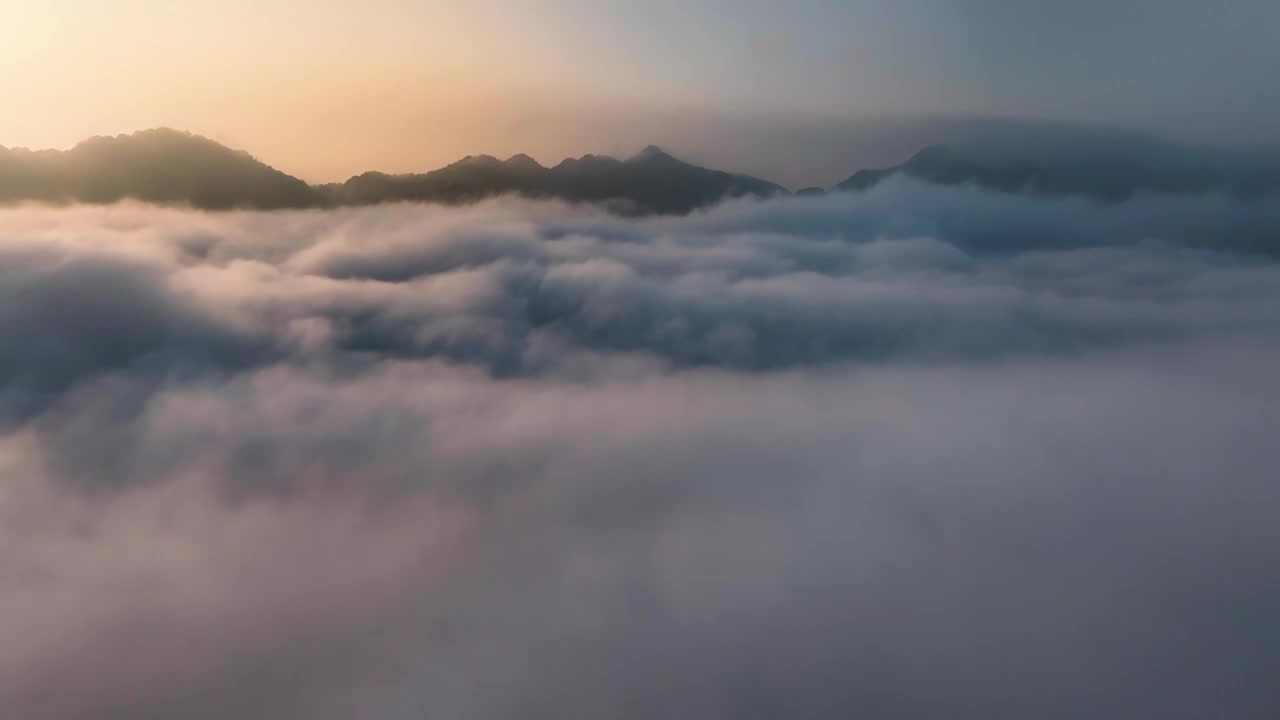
(919,452)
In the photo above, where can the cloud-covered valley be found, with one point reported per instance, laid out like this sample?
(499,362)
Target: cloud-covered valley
(914,452)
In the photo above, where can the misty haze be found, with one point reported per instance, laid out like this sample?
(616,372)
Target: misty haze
(704,360)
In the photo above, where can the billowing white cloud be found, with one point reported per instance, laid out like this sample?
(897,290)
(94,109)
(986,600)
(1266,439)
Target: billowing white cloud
(912,453)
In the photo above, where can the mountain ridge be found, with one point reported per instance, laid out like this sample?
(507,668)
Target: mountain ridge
(172,167)
(160,165)
(166,166)
(1101,172)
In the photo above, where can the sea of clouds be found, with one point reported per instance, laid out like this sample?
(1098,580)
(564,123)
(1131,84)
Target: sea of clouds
(913,453)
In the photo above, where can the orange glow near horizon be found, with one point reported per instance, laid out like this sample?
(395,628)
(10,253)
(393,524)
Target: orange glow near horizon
(322,93)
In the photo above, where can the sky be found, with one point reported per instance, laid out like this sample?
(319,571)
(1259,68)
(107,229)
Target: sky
(329,88)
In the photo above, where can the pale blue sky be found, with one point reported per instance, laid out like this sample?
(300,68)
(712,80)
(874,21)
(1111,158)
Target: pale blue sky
(329,87)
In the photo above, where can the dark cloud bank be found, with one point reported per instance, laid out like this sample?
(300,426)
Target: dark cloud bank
(917,452)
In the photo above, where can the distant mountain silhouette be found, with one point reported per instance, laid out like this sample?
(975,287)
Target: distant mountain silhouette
(158,166)
(1110,168)
(650,182)
(171,167)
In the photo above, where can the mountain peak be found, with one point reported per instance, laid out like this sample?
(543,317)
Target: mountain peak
(141,137)
(160,165)
(477,161)
(652,152)
(522,162)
